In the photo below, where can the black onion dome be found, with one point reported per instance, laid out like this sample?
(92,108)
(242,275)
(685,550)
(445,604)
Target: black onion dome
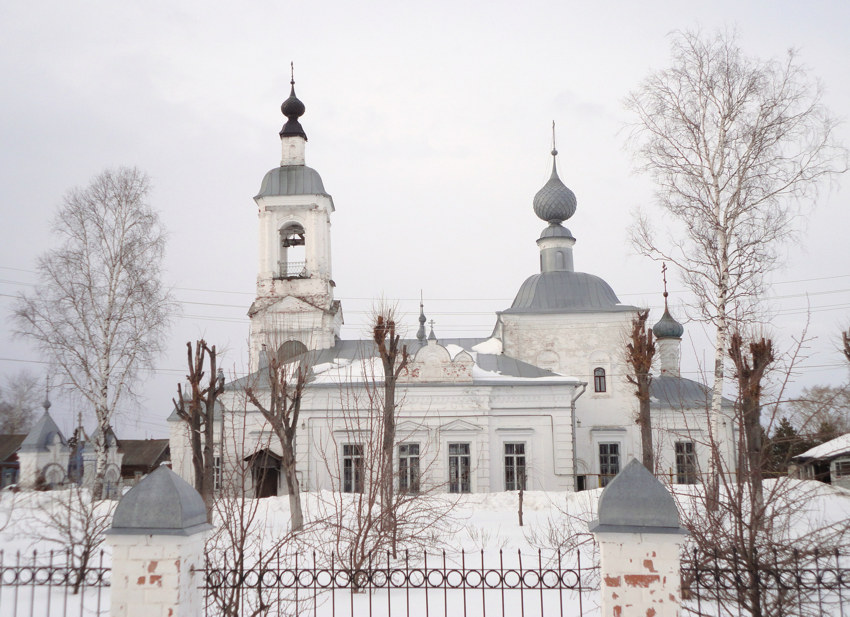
(667,327)
(554,203)
(293,109)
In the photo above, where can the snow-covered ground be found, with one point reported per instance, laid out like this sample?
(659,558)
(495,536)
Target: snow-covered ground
(472,524)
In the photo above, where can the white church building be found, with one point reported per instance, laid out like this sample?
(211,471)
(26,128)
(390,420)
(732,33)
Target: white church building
(541,404)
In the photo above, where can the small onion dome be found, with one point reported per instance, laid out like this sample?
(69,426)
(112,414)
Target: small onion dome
(554,203)
(293,109)
(667,327)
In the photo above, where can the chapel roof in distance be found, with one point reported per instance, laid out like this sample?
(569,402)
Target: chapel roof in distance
(42,435)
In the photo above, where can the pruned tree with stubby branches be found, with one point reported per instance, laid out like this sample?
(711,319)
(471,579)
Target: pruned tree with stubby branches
(99,312)
(394,359)
(735,145)
(196,407)
(750,372)
(640,351)
(280,405)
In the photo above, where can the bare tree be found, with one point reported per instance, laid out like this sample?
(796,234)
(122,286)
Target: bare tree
(820,406)
(74,521)
(394,360)
(286,381)
(735,144)
(100,312)
(750,372)
(197,409)
(640,350)
(19,402)
(755,530)
(364,527)
(845,339)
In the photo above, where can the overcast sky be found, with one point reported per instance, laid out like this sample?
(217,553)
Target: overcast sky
(430,126)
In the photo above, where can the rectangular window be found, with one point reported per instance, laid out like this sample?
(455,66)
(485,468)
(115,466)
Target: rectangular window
(609,462)
(408,467)
(686,463)
(217,473)
(459,468)
(352,468)
(514,466)
(842,469)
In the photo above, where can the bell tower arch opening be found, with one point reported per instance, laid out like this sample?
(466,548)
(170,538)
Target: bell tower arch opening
(292,258)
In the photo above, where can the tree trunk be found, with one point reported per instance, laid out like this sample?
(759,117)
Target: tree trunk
(292,486)
(647,453)
(718,431)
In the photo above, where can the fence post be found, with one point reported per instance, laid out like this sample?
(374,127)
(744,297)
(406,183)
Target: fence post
(157,539)
(639,542)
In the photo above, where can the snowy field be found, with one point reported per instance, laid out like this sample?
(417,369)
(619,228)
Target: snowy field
(473,528)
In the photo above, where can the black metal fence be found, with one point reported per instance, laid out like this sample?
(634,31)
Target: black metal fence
(761,583)
(432,585)
(52,585)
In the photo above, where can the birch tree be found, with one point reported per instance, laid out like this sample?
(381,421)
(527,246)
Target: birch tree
(736,146)
(99,312)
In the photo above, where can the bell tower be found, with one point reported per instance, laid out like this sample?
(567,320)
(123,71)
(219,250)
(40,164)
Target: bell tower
(294,309)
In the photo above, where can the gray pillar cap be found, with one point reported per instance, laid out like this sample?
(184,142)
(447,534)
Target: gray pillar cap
(163,503)
(636,502)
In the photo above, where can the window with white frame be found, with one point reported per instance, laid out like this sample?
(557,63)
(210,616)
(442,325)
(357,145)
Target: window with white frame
(216,473)
(408,467)
(609,462)
(842,469)
(515,466)
(459,467)
(686,463)
(352,468)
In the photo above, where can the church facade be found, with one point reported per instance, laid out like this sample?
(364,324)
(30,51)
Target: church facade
(542,404)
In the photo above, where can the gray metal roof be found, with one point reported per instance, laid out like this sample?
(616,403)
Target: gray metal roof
(681,393)
(162,503)
(565,292)
(292,180)
(41,435)
(351,350)
(635,501)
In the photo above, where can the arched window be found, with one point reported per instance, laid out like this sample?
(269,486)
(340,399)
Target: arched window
(292,261)
(599,380)
(289,350)
(560,262)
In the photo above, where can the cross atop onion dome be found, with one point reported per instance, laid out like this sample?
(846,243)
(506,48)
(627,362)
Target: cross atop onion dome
(667,327)
(554,203)
(293,109)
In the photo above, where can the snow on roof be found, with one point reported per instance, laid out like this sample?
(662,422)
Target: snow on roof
(490,346)
(833,447)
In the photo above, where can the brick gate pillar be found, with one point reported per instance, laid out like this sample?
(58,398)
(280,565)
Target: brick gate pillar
(157,538)
(639,541)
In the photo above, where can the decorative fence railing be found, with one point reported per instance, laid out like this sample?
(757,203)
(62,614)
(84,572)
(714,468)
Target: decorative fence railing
(774,583)
(467,584)
(35,585)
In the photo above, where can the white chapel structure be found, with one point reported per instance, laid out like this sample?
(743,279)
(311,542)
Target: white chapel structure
(542,404)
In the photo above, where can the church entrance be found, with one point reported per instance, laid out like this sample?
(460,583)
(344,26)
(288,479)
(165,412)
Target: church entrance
(265,470)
